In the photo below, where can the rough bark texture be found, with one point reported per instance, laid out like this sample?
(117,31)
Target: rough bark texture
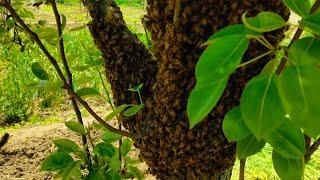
(178,29)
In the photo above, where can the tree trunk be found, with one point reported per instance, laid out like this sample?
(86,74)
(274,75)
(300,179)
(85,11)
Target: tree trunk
(178,29)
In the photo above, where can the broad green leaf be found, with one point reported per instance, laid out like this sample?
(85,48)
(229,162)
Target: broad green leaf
(116,112)
(299,91)
(312,22)
(96,176)
(261,106)
(110,137)
(264,22)
(249,146)
(63,21)
(136,172)
(56,161)
(45,85)
(271,67)
(39,72)
(286,168)
(305,52)
(76,127)
(301,7)
(115,163)
(46,33)
(104,150)
(84,92)
(233,125)
(237,29)
(220,59)
(113,175)
(72,171)
(288,140)
(66,145)
(136,88)
(134,109)
(126,147)
(202,100)
(81,155)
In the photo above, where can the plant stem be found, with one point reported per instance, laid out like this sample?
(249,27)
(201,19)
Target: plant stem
(242,168)
(296,37)
(69,75)
(255,59)
(53,61)
(312,149)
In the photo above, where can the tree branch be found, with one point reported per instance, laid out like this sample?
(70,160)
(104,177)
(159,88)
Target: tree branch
(313,148)
(53,61)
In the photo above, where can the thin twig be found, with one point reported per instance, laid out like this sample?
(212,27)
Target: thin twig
(312,149)
(53,61)
(296,37)
(69,75)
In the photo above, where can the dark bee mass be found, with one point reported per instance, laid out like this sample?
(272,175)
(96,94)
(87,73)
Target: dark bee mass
(171,150)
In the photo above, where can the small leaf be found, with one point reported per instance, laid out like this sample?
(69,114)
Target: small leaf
(136,172)
(45,85)
(288,140)
(220,59)
(117,111)
(264,22)
(96,176)
(78,28)
(39,72)
(56,161)
(63,21)
(115,163)
(312,22)
(261,106)
(113,175)
(134,109)
(202,100)
(72,171)
(237,29)
(286,168)
(233,125)
(110,137)
(46,33)
(104,150)
(126,147)
(84,92)
(271,67)
(66,145)
(76,127)
(301,7)
(249,146)
(136,88)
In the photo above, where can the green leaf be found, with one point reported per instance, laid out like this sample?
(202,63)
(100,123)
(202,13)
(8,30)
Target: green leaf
(78,28)
(261,106)
(312,22)
(126,147)
(286,168)
(110,137)
(136,172)
(305,51)
(264,22)
(72,171)
(233,125)
(220,59)
(237,29)
(117,111)
(76,127)
(134,109)
(288,140)
(271,67)
(84,92)
(299,91)
(113,175)
(202,100)
(136,88)
(115,163)
(96,176)
(56,161)
(66,145)
(63,21)
(39,72)
(301,7)
(104,150)
(45,85)
(249,146)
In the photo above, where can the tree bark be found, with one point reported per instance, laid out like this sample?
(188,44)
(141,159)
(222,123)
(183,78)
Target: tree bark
(178,29)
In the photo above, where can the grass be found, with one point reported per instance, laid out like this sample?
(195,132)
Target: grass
(258,167)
